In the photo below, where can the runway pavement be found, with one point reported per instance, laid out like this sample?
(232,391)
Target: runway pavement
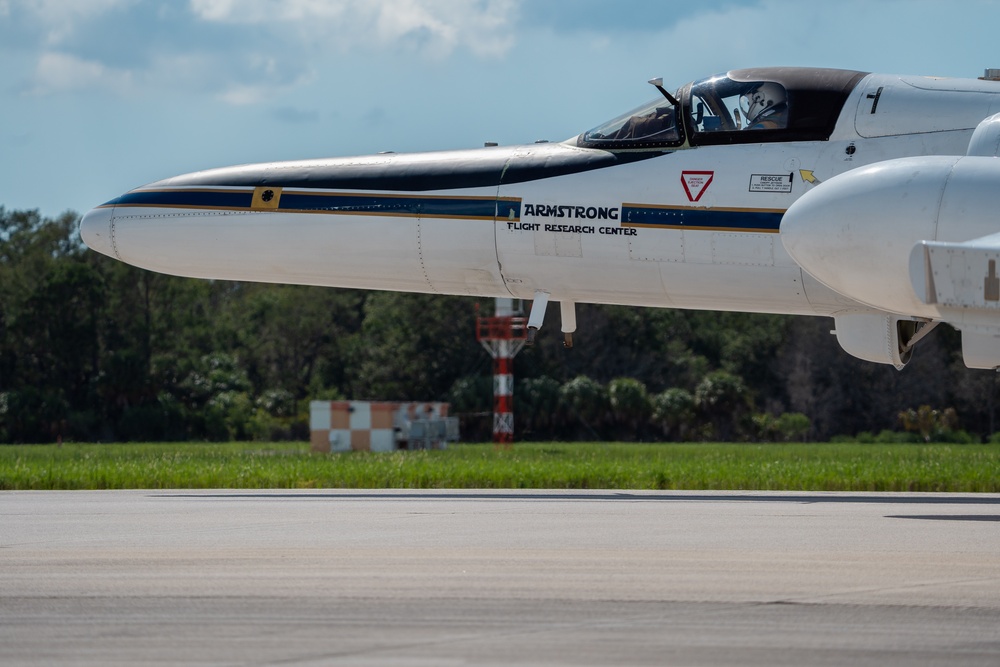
(498,578)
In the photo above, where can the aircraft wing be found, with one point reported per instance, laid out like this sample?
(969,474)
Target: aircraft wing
(957,275)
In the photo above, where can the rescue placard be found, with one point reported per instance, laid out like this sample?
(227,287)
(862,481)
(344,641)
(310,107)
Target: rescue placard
(771,183)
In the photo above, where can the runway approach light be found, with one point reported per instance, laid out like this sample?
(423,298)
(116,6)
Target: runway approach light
(503,336)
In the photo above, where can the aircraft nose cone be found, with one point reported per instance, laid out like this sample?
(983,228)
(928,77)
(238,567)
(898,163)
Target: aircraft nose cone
(95,230)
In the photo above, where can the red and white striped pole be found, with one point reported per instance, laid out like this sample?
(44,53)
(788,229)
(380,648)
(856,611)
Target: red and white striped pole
(503,394)
(503,336)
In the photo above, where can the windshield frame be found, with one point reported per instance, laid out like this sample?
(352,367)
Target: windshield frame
(591,138)
(815,97)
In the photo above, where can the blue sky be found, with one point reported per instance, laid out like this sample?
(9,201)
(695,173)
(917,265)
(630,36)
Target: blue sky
(100,96)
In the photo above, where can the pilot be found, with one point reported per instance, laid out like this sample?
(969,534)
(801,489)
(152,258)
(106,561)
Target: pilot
(765,107)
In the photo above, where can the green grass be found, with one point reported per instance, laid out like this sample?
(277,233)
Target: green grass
(790,467)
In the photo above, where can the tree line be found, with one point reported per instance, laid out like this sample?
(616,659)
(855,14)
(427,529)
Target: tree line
(92,349)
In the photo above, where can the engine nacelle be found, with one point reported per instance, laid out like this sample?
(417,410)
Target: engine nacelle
(914,237)
(855,232)
(877,337)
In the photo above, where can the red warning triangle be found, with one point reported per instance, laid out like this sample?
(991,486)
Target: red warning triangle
(696,182)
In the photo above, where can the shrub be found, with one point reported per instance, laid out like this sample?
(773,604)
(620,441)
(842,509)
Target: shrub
(793,426)
(674,412)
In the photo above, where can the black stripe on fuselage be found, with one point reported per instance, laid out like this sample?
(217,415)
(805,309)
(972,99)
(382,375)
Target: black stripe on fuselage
(416,172)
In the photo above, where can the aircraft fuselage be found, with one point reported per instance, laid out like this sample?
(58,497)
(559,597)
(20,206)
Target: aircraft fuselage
(690,221)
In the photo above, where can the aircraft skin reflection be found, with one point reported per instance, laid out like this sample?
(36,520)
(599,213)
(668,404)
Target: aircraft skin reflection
(857,193)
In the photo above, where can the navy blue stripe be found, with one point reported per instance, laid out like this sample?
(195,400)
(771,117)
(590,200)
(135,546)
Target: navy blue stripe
(509,210)
(389,205)
(192,198)
(333,203)
(696,217)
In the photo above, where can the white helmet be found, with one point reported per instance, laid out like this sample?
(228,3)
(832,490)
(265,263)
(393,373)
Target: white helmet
(759,100)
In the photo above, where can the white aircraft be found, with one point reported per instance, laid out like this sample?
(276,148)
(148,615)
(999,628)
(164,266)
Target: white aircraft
(870,198)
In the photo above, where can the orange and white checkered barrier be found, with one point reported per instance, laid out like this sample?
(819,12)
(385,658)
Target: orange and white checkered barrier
(365,426)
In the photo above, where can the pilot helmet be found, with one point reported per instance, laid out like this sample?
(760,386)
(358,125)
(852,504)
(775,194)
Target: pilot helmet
(760,99)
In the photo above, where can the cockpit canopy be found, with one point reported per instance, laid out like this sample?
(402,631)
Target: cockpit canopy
(653,124)
(744,106)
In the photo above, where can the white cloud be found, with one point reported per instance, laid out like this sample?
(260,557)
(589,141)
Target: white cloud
(265,11)
(238,95)
(434,28)
(239,80)
(891,36)
(204,48)
(62,18)
(59,72)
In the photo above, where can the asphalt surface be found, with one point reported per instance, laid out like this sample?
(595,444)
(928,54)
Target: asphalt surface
(498,578)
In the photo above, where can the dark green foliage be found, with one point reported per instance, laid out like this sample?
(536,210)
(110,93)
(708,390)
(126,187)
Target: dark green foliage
(793,426)
(630,406)
(724,400)
(586,404)
(412,347)
(93,349)
(537,408)
(674,411)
